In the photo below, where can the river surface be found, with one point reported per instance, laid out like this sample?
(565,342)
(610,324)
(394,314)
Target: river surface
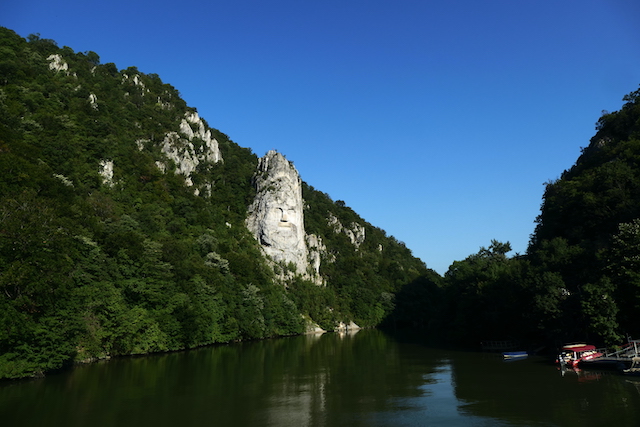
(370,378)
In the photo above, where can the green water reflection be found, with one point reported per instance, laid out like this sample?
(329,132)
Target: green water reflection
(367,379)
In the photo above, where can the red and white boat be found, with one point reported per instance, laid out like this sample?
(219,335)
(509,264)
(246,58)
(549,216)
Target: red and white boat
(572,354)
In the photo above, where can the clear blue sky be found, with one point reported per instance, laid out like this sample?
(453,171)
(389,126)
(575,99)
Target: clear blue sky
(437,121)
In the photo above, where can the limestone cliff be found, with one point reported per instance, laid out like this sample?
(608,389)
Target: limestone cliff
(355,233)
(57,63)
(276,217)
(187,148)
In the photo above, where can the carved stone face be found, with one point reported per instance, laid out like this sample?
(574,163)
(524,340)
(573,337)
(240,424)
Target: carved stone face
(276,216)
(288,217)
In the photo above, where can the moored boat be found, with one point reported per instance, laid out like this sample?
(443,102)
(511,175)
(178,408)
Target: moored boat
(573,354)
(512,355)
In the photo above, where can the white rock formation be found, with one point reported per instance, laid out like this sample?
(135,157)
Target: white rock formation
(316,248)
(66,181)
(312,328)
(106,171)
(347,327)
(164,105)
(355,232)
(140,144)
(136,81)
(186,152)
(276,217)
(161,166)
(56,63)
(93,101)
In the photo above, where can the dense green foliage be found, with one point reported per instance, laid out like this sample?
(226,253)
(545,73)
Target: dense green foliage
(90,269)
(363,282)
(586,230)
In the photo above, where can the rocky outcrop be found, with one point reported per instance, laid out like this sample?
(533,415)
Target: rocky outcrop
(106,172)
(93,101)
(187,148)
(190,146)
(276,218)
(56,63)
(312,328)
(276,215)
(350,327)
(355,232)
(135,80)
(316,250)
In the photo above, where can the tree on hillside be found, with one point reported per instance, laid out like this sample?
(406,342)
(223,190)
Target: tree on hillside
(484,296)
(623,266)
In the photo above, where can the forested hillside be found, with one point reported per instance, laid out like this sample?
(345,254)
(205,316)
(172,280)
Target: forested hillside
(580,277)
(123,231)
(122,224)
(587,234)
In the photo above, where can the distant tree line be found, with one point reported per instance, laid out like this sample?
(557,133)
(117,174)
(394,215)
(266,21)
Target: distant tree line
(580,277)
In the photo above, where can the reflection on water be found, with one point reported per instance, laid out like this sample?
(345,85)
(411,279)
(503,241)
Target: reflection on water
(364,379)
(535,392)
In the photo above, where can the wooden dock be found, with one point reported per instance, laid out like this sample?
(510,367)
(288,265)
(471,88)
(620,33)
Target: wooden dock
(617,360)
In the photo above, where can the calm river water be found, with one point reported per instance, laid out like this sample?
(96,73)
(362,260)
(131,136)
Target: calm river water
(366,379)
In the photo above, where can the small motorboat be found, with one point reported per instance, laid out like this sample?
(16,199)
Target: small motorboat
(572,354)
(513,355)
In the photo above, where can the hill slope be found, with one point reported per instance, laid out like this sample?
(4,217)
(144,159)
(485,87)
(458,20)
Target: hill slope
(123,224)
(587,232)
